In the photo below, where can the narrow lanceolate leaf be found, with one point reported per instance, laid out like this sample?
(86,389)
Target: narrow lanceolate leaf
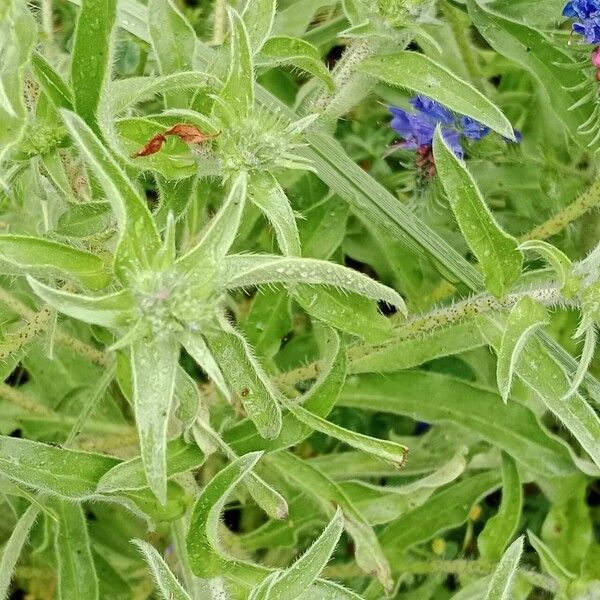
(258,17)
(386,450)
(196,347)
(284,50)
(154,365)
(113,310)
(17,39)
(206,558)
(319,400)
(129,475)
(139,239)
(446,509)
(309,479)
(306,569)
(421,74)
(76,571)
(220,234)
(173,41)
(238,90)
(51,470)
(434,398)
(246,378)
(266,193)
(587,354)
(557,259)
(553,66)
(91,62)
(495,249)
(345,311)
(14,546)
(166,582)
(525,318)
(21,254)
(549,562)
(250,270)
(58,92)
(499,530)
(502,580)
(544,376)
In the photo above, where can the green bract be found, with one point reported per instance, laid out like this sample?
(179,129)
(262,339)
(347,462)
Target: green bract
(296,300)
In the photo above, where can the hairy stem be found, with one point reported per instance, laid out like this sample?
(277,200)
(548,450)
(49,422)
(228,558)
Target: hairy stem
(465,47)
(435,319)
(589,199)
(96,356)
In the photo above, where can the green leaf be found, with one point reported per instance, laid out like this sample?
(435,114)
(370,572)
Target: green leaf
(500,529)
(153,364)
(246,270)
(546,378)
(238,90)
(17,39)
(76,571)
(533,51)
(258,17)
(502,580)
(92,60)
(308,478)
(129,475)
(220,233)
(495,249)
(36,256)
(14,546)
(166,582)
(284,50)
(421,74)
(523,321)
(319,400)
(384,449)
(113,310)
(558,260)
(550,563)
(246,378)
(173,41)
(435,398)
(48,469)
(206,558)
(446,509)
(268,321)
(295,579)
(139,239)
(51,82)
(266,193)
(346,311)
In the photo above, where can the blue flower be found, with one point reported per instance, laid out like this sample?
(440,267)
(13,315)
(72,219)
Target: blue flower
(473,130)
(583,9)
(417,128)
(588,13)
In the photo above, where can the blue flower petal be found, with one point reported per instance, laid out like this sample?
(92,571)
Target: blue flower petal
(452,138)
(569,10)
(473,130)
(432,109)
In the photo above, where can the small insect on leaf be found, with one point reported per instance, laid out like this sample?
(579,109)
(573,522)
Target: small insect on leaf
(189,134)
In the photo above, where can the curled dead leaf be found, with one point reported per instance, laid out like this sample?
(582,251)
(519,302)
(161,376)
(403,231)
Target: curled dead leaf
(190,134)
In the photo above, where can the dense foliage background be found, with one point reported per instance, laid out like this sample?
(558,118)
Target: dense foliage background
(299,299)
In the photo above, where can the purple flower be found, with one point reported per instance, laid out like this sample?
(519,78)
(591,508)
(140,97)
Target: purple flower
(432,109)
(473,129)
(589,29)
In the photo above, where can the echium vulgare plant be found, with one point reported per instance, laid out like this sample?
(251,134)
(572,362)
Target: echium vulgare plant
(239,360)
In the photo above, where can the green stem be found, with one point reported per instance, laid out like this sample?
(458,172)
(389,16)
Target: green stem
(436,319)
(589,199)
(459,30)
(219,22)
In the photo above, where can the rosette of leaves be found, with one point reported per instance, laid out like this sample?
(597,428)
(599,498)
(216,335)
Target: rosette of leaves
(163,301)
